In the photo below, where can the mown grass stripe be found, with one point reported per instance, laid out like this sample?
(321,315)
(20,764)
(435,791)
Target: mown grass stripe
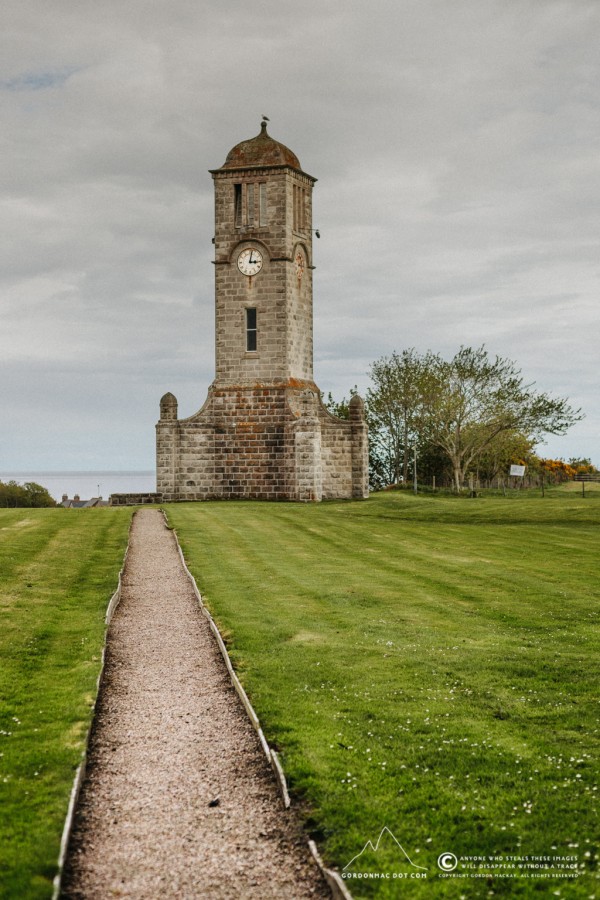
(439,650)
(58,571)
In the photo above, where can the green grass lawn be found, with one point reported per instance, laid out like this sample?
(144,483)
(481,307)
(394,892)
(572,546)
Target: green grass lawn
(58,570)
(426,664)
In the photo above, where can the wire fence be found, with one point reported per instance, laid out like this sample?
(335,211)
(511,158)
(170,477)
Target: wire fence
(587,487)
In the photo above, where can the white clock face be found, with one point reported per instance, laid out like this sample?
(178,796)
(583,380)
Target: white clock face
(250,262)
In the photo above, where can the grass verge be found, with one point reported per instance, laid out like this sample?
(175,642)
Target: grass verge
(426,664)
(58,569)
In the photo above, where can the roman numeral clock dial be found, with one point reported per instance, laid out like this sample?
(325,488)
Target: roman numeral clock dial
(250,262)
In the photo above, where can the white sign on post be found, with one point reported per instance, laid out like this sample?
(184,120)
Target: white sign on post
(518,471)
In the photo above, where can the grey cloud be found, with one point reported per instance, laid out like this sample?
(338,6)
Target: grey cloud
(455,147)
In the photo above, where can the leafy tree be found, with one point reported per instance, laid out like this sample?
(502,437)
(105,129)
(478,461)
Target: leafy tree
(471,414)
(507,449)
(28,495)
(37,495)
(394,411)
(472,400)
(432,462)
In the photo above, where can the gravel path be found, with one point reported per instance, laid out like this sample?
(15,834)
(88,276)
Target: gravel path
(179,800)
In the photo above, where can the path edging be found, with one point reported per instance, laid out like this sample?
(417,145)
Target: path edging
(81,769)
(338,889)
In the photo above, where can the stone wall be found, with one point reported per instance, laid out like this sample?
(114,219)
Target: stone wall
(262,443)
(282,300)
(134,499)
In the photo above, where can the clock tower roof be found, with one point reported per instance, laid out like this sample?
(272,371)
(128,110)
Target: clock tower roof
(260,151)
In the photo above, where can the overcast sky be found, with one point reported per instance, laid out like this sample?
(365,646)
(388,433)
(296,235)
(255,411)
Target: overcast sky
(456,146)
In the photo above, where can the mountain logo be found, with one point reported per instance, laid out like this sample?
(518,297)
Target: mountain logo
(374,847)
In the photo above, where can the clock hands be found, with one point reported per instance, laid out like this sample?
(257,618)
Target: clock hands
(250,261)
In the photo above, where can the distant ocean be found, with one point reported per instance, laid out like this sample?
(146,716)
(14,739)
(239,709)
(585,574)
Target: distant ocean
(86,484)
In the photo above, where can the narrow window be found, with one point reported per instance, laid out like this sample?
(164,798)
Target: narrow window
(237,199)
(299,208)
(295,207)
(251,330)
(262,195)
(250,203)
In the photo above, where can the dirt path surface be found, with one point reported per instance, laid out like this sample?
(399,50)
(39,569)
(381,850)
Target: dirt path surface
(179,800)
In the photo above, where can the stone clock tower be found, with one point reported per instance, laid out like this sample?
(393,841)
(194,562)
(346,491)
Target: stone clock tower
(263,432)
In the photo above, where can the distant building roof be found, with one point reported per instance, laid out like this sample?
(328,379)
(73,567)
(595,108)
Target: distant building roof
(77,503)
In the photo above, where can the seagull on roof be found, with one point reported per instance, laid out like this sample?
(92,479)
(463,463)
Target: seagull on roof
(266,119)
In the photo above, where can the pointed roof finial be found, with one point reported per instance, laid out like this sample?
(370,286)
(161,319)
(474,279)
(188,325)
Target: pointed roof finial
(263,124)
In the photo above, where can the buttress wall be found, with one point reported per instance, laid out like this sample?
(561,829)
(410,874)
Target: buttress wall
(261,443)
